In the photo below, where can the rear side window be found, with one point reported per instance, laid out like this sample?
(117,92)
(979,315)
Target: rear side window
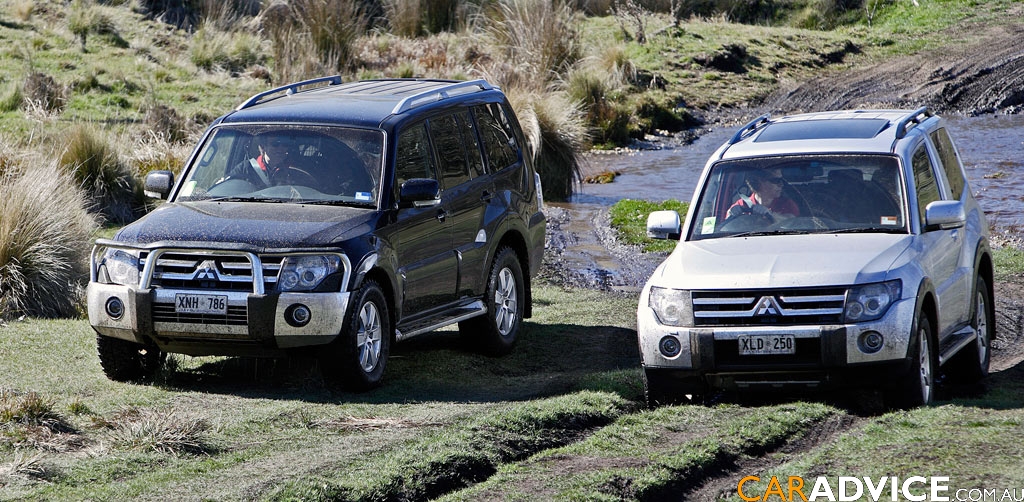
(413,159)
(924,180)
(451,152)
(497,135)
(950,162)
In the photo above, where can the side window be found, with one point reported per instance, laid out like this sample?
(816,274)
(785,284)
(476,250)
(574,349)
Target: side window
(413,157)
(474,155)
(499,142)
(924,180)
(451,152)
(950,162)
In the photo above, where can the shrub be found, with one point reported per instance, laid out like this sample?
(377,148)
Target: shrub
(310,35)
(165,123)
(109,184)
(44,242)
(405,17)
(161,431)
(540,34)
(556,131)
(43,92)
(84,18)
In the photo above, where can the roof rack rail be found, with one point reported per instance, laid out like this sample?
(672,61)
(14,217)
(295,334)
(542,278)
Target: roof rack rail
(912,119)
(289,89)
(409,102)
(749,128)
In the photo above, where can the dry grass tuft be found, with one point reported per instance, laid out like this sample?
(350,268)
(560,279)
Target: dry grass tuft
(43,93)
(98,168)
(556,129)
(313,37)
(540,34)
(169,431)
(165,123)
(44,241)
(24,467)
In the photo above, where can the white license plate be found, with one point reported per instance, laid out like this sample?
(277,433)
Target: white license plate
(200,304)
(759,345)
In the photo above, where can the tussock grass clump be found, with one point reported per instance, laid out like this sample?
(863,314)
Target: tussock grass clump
(42,92)
(405,17)
(11,97)
(25,408)
(97,167)
(165,123)
(44,242)
(85,18)
(169,431)
(233,51)
(556,130)
(595,92)
(540,34)
(313,36)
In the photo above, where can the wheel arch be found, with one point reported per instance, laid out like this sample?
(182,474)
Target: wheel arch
(383,279)
(515,240)
(927,305)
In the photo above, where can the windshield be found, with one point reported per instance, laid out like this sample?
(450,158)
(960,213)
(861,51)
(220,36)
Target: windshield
(801,194)
(304,164)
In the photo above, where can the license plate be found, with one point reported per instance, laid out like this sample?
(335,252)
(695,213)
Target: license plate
(200,304)
(759,345)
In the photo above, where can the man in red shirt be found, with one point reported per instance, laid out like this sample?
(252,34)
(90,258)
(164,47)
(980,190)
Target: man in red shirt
(766,199)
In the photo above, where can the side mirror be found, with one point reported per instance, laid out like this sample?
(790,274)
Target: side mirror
(159,184)
(419,192)
(664,225)
(944,215)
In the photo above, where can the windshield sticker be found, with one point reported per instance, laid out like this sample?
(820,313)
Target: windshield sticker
(889,220)
(364,196)
(188,188)
(709,225)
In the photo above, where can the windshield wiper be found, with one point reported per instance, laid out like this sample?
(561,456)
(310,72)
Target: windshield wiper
(767,232)
(339,203)
(247,199)
(861,230)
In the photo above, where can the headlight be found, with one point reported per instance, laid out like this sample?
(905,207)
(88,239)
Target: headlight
(871,301)
(119,267)
(671,306)
(306,272)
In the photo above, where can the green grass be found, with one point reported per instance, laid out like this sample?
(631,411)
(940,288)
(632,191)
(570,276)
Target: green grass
(1009,261)
(629,219)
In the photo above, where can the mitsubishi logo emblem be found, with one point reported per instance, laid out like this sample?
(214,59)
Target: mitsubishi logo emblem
(768,306)
(206,271)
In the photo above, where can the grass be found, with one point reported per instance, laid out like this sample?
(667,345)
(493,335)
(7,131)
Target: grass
(629,219)
(1009,262)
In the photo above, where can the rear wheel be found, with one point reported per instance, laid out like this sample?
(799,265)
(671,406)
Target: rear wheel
(496,331)
(125,361)
(358,357)
(971,364)
(918,386)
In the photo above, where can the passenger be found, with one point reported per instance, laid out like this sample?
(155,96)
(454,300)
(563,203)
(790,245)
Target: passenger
(766,199)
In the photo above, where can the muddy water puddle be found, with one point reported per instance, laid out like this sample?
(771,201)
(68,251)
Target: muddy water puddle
(991,148)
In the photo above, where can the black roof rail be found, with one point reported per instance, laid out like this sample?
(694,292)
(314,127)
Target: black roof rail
(409,102)
(912,119)
(749,128)
(289,89)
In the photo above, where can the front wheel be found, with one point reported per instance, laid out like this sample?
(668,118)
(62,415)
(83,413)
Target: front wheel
(358,357)
(125,361)
(496,331)
(918,386)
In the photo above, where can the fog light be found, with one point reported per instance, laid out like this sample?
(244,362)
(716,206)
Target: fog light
(115,308)
(297,315)
(669,346)
(870,342)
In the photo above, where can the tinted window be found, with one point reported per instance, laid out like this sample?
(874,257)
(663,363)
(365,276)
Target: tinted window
(497,135)
(476,161)
(924,180)
(950,162)
(413,159)
(451,153)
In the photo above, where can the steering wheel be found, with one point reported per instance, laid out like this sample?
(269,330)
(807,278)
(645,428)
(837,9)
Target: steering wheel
(292,175)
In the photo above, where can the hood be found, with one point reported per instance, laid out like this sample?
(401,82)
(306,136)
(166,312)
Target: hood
(781,261)
(266,225)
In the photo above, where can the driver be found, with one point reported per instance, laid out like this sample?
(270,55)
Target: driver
(272,165)
(766,199)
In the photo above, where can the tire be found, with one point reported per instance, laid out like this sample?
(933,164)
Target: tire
(495,332)
(661,389)
(356,360)
(918,386)
(971,364)
(125,361)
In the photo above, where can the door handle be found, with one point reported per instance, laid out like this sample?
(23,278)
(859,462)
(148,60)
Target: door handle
(442,215)
(486,196)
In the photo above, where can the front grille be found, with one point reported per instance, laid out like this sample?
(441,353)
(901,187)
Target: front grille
(236,316)
(769,307)
(182,270)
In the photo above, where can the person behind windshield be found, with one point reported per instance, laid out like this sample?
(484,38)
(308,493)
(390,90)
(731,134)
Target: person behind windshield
(271,166)
(766,199)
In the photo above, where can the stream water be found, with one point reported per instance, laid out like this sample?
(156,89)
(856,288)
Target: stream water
(991,148)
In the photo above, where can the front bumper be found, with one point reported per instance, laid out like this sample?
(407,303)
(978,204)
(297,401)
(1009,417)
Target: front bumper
(256,324)
(825,355)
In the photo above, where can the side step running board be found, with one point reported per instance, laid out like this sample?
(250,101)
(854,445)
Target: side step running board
(955,342)
(470,311)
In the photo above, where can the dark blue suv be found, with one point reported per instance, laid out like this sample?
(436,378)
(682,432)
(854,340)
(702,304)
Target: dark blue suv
(335,216)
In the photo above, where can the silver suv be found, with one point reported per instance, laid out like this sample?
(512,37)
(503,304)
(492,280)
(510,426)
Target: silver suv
(819,250)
